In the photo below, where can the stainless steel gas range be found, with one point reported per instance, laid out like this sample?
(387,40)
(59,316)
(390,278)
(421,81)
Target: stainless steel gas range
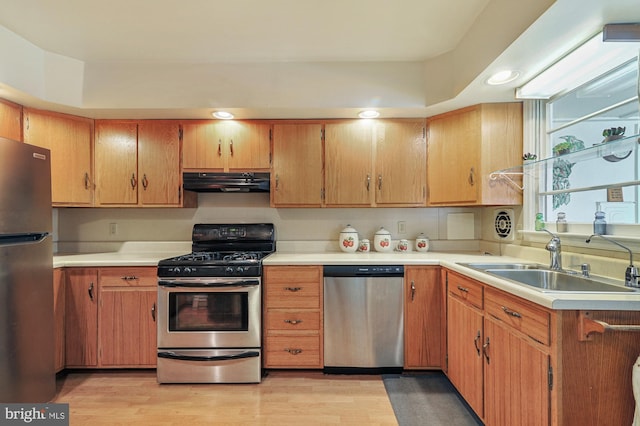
(210,306)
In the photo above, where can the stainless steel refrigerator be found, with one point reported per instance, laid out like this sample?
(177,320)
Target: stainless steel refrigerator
(27,372)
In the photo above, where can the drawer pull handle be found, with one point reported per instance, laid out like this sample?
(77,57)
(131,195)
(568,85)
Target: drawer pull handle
(413,290)
(129,278)
(463,289)
(293,322)
(510,312)
(293,351)
(294,289)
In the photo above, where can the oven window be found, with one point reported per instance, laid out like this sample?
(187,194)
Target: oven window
(208,311)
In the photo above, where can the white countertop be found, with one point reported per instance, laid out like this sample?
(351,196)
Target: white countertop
(563,301)
(145,255)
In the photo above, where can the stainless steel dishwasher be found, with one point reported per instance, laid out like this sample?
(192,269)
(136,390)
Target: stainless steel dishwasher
(363,319)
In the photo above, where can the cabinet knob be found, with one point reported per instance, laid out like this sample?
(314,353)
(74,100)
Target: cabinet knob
(231,147)
(134,181)
(293,289)
(413,290)
(145,181)
(293,351)
(91,291)
(293,322)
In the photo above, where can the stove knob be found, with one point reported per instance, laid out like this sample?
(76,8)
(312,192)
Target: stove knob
(229,270)
(240,269)
(187,270)
(176,270)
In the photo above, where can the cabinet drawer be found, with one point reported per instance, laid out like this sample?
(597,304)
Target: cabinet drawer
(292,320)
(128,277)
(292,351)
(522,316)
(466,289)
(293,287)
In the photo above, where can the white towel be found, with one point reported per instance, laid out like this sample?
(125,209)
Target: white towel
(635,379)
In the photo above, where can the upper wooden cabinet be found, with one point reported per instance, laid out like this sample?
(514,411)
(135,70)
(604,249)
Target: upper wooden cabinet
(466,146)
(400,149)
(375,163)
(10,120)
(69,140)
(296,179)
(226,145)
(138,163)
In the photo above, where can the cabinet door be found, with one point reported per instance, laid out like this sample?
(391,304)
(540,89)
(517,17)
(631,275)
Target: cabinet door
(127,327)
(453,156)
(159,163)
(58,317)
(401,150)
(69,140)
(10,120)
(349,179)
(81,317)
(423,318)
(516,379)
(248,146)
(116,159)
(202,145)
(297,165)
(465,363)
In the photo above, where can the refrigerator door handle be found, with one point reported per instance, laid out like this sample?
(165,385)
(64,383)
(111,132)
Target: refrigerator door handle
(16,239)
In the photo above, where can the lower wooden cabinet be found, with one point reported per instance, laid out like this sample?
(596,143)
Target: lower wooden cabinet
(293,323)
(464,342)
(423,318)
(58,317)
(81,317)
(126,320)
(110,317)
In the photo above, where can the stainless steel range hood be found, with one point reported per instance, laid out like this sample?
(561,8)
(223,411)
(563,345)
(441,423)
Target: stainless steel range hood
(226,182)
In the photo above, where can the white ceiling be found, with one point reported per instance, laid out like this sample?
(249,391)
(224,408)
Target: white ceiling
(282,58)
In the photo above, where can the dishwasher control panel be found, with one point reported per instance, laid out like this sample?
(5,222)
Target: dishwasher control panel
(363,270)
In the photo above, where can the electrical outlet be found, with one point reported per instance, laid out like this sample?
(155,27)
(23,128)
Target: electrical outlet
(113,228)
(402,227)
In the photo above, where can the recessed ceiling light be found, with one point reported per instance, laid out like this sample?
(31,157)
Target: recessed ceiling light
(223,115)
(502,77)
(368,114)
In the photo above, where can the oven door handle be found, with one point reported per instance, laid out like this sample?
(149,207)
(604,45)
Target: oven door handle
(240,355)
(241,283)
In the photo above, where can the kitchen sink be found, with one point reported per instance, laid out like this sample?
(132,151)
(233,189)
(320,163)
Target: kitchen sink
(485,266)
(547,280)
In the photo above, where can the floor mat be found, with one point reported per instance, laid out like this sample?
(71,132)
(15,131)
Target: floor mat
(427,399)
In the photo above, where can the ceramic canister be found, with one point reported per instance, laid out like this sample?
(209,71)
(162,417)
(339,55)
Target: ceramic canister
(403,245)
(382,240)
(422,243)
(364,246)
(349,239)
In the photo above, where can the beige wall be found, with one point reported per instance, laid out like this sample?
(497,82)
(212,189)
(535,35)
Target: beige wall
(292,224)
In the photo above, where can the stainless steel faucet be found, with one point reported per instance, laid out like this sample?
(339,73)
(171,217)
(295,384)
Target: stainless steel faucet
(631,275)
(554,247)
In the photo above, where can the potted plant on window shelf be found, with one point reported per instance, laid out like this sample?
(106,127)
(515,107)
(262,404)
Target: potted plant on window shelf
(569,144)
(613,133)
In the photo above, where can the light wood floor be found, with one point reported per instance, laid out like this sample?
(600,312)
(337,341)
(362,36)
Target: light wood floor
(284,397)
